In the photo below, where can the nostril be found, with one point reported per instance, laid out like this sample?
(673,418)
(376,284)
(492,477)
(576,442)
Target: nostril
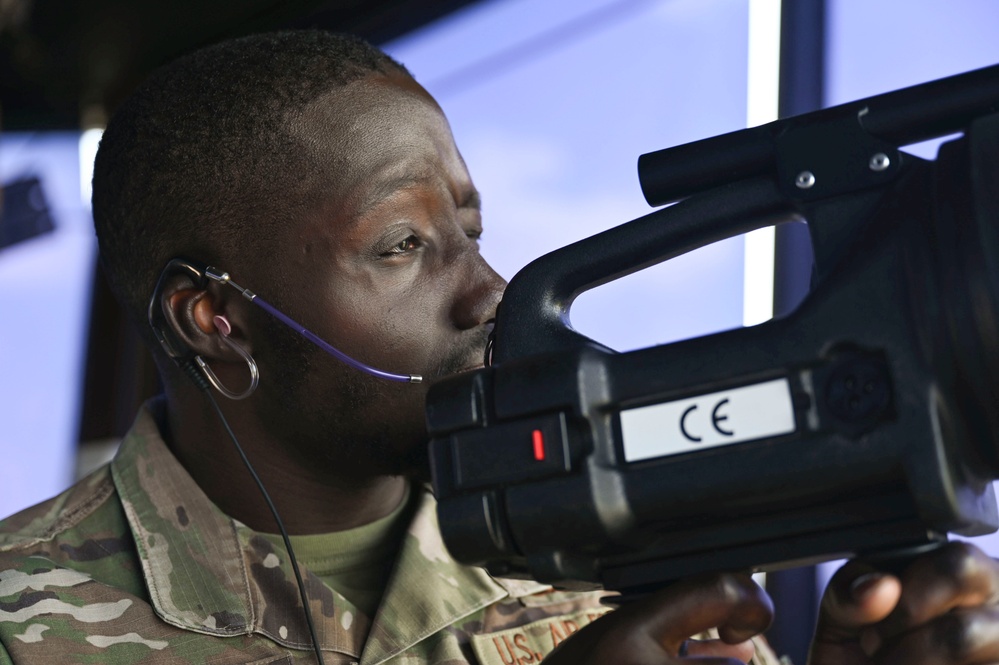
(479,290)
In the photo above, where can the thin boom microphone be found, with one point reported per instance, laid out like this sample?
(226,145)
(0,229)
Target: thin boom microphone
(223,278)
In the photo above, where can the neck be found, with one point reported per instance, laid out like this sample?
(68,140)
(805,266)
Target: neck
(308,499)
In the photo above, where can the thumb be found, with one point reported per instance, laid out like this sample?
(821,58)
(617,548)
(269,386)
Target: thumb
(651,630)
(732,603)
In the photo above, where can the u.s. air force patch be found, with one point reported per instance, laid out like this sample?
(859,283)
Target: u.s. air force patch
(530,643)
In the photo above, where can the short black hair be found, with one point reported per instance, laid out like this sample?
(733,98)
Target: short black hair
(199,160)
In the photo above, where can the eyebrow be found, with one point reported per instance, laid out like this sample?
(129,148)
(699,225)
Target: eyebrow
(387,188)
(471,200)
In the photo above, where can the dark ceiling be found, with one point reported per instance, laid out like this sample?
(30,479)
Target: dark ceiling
(65,62)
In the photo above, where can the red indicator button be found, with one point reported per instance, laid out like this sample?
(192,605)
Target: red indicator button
(539,445)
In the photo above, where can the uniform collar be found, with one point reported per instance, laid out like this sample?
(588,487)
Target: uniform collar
(203,576)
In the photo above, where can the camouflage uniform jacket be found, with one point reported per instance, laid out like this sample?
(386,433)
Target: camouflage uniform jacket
(135,564)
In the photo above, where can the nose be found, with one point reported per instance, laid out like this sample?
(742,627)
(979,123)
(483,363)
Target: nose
(480,291)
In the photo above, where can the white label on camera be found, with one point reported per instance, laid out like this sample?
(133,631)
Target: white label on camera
(707,421)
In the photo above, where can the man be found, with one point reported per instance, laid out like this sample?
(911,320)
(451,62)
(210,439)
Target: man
(314,170)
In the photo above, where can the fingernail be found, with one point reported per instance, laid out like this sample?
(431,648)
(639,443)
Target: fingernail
(861,587)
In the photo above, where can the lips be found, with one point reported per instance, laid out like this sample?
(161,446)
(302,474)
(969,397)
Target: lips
(467,355)
(447,372)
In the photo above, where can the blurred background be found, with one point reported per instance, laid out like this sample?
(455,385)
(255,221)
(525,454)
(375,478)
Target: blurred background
(551,103)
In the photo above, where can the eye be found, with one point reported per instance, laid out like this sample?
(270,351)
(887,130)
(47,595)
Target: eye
(404,246)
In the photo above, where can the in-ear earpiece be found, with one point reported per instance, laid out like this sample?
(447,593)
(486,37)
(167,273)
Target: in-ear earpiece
(222,325)
(224,328)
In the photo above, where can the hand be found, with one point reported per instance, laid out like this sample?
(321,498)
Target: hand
(943,608)
(651,631)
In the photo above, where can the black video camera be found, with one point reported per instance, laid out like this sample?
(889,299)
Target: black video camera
(864,422)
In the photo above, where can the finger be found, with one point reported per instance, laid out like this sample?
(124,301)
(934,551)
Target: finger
(961,637)
(956,575)
(742,651)
(858,595)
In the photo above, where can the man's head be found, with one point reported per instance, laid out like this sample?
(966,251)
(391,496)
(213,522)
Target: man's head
(200,158)
(315,171)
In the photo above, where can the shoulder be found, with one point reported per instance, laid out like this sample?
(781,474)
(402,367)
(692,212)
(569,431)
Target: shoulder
(47,520)
(82,531)
(72,587)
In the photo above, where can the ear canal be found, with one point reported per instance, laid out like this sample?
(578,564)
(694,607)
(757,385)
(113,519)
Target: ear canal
(203,313)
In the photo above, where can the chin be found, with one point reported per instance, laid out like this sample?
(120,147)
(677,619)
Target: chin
(420,474)
(413,461)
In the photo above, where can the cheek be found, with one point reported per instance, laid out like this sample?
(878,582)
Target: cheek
(389,336)
(409,316)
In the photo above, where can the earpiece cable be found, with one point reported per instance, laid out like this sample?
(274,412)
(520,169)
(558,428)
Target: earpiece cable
(199,379)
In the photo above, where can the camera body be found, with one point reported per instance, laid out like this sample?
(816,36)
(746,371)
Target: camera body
(864,422)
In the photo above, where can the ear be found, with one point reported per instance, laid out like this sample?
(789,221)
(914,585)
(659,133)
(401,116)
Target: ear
(189,312)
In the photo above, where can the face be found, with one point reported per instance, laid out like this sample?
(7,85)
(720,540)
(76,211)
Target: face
(386,268)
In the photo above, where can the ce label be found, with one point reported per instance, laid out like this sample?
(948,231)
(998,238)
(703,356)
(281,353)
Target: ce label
(717,418)
(721,418)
